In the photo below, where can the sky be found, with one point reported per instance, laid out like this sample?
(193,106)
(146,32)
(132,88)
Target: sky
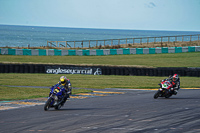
(171,15)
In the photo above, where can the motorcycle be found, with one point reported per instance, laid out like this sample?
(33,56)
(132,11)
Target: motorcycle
(56,97)
(164,90)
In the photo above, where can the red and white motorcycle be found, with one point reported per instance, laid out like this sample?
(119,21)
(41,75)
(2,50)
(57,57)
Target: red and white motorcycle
(165,89)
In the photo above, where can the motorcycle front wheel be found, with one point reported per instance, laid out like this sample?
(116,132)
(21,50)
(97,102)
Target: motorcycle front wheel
(47,104)
(156,95)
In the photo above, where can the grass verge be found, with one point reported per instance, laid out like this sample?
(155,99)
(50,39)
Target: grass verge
(143,60)
(80,81)
(20,93)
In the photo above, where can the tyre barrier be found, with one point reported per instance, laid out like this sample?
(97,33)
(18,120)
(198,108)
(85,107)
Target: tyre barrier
(98,70)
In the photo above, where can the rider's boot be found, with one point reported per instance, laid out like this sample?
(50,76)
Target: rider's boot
(175,92)
(64,99)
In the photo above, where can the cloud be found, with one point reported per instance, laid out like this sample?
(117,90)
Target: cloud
(150,5)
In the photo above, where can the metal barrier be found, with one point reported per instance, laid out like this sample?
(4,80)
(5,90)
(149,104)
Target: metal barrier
(125,41)
(98,52)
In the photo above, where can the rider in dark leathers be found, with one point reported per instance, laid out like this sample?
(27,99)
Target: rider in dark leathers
(175,80)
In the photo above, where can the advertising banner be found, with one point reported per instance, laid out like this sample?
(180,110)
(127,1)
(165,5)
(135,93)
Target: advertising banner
(73,70)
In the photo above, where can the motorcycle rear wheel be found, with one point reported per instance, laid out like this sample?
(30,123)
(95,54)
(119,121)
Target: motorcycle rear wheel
(58,107)
(47,104)
(167,94)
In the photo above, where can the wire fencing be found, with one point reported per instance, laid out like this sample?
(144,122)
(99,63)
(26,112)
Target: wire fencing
(124,41)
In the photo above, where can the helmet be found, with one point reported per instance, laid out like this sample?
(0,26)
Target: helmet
(63,80)
(175,77)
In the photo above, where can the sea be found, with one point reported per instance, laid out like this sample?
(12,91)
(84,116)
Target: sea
(37,36)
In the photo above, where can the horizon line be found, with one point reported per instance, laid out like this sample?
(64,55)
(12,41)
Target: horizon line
(96,28)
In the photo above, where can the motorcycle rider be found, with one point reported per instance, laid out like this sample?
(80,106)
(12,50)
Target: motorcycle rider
(175,81)
(67,85)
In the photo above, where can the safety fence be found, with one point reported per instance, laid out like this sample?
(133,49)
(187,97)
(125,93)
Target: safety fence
(97,70)
(88,52)
(125,41)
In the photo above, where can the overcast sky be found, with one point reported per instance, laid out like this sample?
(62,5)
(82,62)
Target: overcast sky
(175,15)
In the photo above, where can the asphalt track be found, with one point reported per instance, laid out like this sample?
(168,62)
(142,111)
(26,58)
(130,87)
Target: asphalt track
(132,111)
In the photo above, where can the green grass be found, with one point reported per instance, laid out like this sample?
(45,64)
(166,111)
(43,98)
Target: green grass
(93,81)
(149,60)
(13,93)
(20,93)
(80,81)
